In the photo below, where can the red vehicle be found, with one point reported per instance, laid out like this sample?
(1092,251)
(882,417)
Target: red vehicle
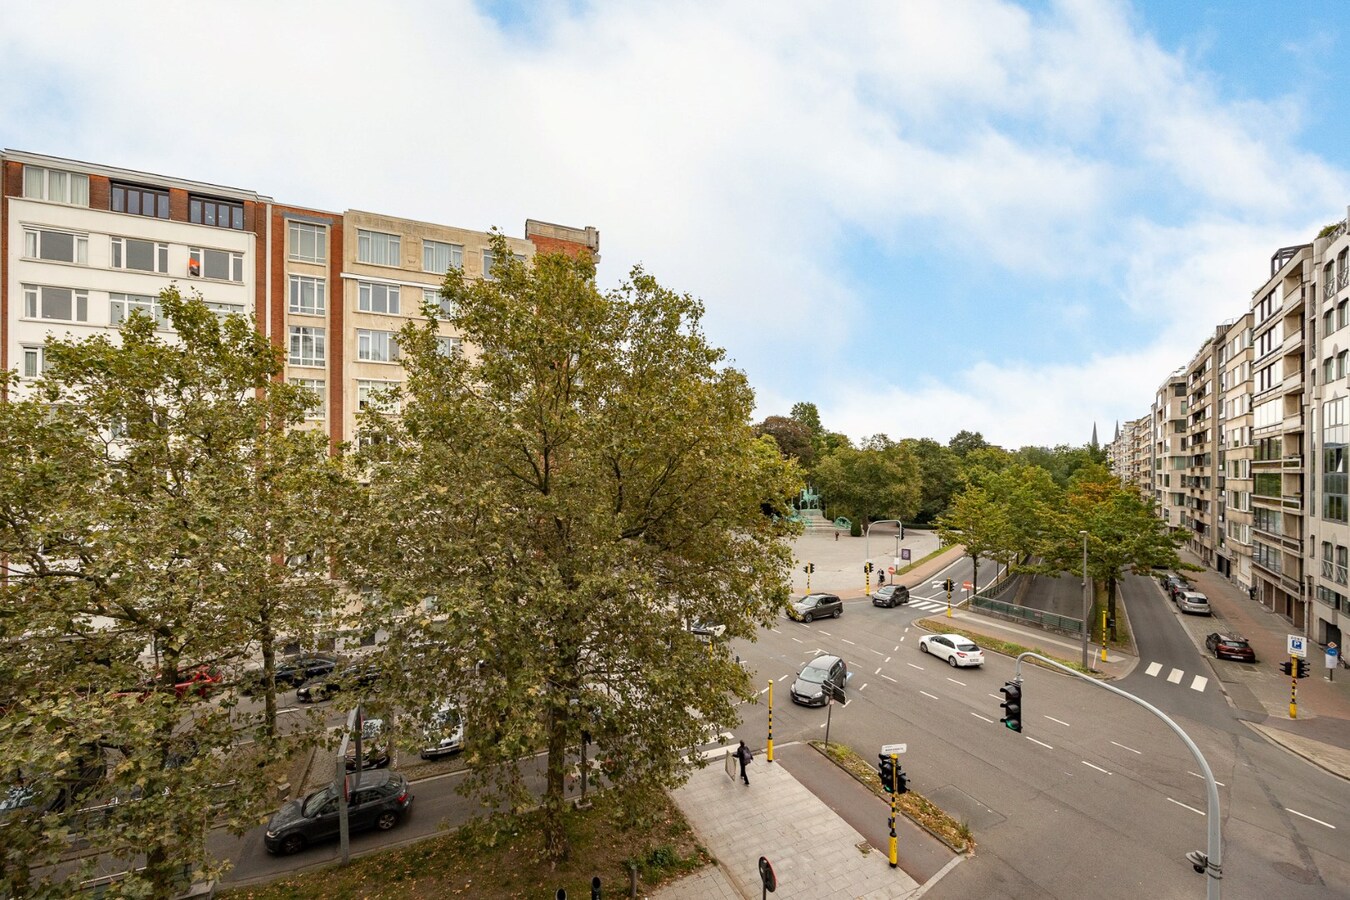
(199,680)
(1230,646)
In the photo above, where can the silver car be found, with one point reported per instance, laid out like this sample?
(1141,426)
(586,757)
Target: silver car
(1194,602)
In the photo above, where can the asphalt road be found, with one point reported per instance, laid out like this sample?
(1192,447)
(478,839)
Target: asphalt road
(1097,797)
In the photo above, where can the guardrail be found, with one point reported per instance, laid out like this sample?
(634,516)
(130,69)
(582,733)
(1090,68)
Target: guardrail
(1037,617)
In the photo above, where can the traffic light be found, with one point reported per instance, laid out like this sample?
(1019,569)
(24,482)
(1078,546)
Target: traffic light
(1287,667)
(948,585)
(1302,668)
(809,568)
(1012,706)
(901,781)
(886,772)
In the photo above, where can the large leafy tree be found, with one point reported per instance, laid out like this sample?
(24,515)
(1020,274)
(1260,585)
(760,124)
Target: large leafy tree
(794,439)
(939,476)
(878,481)
(555,507)
(148,505)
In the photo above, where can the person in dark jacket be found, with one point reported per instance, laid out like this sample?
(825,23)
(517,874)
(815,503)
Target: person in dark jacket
(743,755)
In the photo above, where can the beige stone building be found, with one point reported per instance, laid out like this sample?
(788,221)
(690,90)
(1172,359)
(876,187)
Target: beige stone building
(1233,556)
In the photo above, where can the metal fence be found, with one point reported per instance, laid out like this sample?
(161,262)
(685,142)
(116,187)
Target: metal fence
(1040,618)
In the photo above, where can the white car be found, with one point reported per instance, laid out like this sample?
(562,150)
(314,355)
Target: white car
(955,649)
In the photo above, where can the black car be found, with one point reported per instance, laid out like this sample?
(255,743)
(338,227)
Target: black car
(357,676)
(890,595)
(380,801)
(1230,646)
(291,672)
(815,606)
(818,679)
(1173,584)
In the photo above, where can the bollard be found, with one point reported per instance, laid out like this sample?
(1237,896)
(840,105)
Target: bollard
(595,888)
(632,881)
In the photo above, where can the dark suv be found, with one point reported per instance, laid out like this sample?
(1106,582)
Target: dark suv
(815,606)
(358,676)
(379,802)
(890,595)
(290,672)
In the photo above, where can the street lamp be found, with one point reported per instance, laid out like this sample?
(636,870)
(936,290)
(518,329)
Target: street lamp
(1087,603)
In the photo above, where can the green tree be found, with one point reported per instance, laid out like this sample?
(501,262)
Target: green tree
(554,507)
(144,523)
(808,415)
(793,438)
(939,476)
(880,481)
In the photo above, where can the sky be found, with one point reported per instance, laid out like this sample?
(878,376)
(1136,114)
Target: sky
(1014,218)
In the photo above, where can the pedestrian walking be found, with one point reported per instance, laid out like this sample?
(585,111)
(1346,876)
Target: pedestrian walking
(743,755)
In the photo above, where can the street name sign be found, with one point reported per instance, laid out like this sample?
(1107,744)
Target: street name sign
(890,749)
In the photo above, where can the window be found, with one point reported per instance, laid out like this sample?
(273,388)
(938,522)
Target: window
(1264,378)
(1342,359)
(63,304)
(441,258)
(315,385)
(221,213)
(1327,320)
(306,346)
(368,394)
(490,261)
(1343,314)
(55,185)
(59,246)
(307,295)
(377,247)
(309,243)
(377,298)
(123,305)
(1328,280)
(140,201)
(34,362)
(221,264)
(449,346)
(143,256)
(433,298)
(376,346)
(1335,479)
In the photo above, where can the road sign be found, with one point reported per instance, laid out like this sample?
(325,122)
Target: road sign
(889,749)
(890,570)
(1332,653)
(1297,646)
(766,875)
(967,585)
(904,553)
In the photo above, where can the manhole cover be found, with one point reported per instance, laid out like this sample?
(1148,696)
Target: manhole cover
(864,848)
(1294,873)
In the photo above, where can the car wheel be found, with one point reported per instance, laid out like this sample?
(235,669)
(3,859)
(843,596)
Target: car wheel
(386,821)
(808,617)
(838,612)
(923,648)
(951,661)
(292,844)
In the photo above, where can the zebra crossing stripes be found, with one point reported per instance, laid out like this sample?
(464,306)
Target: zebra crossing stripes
(928,605)
(1198,682)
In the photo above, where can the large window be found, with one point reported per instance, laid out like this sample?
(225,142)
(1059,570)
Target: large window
(432,297)
(55,185)
(449,346)
(441,258)
(58,246)
(376,297)
(317,404)
(221,264)
(1335,434)
(140,201)
(370,394)
(221,213)
(143,256)
(61,304)
(309,242)
(307,346)
(123,305)
(377,247)
(308,295)
(490,263)
(376,346)
(34,362)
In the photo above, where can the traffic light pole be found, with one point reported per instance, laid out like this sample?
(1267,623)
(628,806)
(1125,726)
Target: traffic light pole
(949,584)
(1209,863)
(895,767)
(1293,687)
(769,755)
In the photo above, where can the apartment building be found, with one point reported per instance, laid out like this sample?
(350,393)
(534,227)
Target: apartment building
(1233,556)
(82,245)
(1198,473)
(1134,454)
(1169,455)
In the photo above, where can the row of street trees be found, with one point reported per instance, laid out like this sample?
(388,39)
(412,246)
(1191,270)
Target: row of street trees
(532,526)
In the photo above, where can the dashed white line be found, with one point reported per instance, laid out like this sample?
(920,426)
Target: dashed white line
(886,660)
(1311,819)
(763,692)
(996,696)
(1184,806)
(784,677)
(1123,747)
(1091,766)
(878,671)
(1060,721)
(890,679)
(954,681)
(847,641)
(1198,775)
(1175,676)
(827,634)
(877,652)
(926,694)
(1199,683)
(799,640)
(978,716)
(912,666)
(864,687)
(1042,743)
(1153,669)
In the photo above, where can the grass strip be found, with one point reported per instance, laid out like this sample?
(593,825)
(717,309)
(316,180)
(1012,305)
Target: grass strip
(1007,648)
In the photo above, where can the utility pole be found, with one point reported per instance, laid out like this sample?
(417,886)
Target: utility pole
(1087,603)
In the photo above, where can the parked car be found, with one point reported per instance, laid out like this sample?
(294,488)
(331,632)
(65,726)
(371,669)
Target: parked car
(815,606)
(200,681)
(1172,583)
(1230,646)
(890,595)
(707,632)
(374,746)
(290,672)
(444,734)
(955,649)
(380,801)
(1194,602)
(362,675)
(819,678)
(54,793)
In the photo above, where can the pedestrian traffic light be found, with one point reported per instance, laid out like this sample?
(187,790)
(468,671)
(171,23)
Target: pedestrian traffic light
(1287,667)
(1302,668)
(886,772)
(901,781)
(1012,706)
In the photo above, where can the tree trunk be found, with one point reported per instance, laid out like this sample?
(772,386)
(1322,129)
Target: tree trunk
(267,640)
(555,836)
(1111,605)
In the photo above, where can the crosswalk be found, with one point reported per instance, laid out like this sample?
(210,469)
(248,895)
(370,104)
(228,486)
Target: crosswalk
(1175,676)
(928,605)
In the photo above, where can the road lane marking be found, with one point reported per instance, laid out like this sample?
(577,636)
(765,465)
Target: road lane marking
(890,679)
(1175,676)
(1197,775)
(827,634)
(799,640)
(1123,747)
(886,660)
(997,697)
(1153,669)
(926,694)
(895,648)
(878,671)
(1199,683)
(784,677)
(864,687)
(1311,819)
(766,690)
(978,716)
(1042,743)
(954,681)
(774,630)
(1060,721)
(1098,768)
(847,641)
(1184,806)
(912,666)
(877,652)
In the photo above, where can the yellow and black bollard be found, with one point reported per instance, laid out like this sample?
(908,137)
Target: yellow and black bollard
(895,767)
(769,755)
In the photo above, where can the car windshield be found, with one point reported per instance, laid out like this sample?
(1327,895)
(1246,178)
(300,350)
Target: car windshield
(315,801)
(1232,642)
(814,675)
(810,601)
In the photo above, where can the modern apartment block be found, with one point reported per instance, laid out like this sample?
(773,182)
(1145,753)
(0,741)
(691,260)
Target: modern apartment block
(1169,455)
(1234,495)
(82,245)
(1198,473)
